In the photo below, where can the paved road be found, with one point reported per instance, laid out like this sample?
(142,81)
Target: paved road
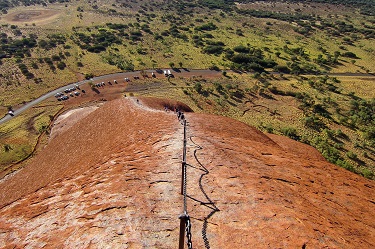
(184,72)
(38,100)
(8,117)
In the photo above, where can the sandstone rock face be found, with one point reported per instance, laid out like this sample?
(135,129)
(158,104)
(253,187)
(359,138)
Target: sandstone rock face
(113,180)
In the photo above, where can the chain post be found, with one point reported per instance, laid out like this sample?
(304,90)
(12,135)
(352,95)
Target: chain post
(182,231)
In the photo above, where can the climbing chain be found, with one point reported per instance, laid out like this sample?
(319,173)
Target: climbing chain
(184,189)
(209,204)
(187,218)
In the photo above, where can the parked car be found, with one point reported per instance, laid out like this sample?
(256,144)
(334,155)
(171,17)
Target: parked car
(64,97)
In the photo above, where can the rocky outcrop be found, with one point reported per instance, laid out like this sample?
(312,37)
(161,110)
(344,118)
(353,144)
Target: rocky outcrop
(113,181)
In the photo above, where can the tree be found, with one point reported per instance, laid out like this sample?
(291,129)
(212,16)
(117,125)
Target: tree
(7,147)
(61,65)
(198,87)
(180,64)
(350,55)
(171,64)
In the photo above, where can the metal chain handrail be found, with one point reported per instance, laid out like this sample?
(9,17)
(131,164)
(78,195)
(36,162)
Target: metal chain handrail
(185,223)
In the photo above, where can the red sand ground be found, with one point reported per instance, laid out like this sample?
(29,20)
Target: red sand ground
(113,181)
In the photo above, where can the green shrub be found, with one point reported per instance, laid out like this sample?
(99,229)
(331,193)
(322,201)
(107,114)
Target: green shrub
(198,87)
(290,132)
(314,122)
(352,155)
(7,147)
(345,165)
(327,150)
(367,173)
(61,65)
(206,27)
(241,49)
(214,68)
(350,55)
(213,49)
(89,76)
(281,69)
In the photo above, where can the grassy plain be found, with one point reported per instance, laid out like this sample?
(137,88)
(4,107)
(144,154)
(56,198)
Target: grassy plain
(241,97)
(278,40)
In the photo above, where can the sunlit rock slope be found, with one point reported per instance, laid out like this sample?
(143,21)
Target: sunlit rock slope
(113,180)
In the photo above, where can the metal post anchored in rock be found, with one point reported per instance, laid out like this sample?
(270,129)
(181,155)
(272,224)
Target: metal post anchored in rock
(181,243)
(185,226)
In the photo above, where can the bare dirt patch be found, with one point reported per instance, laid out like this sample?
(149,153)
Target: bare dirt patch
(31,15)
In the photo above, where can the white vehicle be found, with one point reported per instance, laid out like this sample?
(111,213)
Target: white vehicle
(165,73)
(169,73)
(115,81)
(11,113)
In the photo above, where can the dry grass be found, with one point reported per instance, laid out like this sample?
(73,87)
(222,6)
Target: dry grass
(276,113)
(257,33)
(22,132)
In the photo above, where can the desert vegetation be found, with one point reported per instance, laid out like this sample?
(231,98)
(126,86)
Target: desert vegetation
(317,110)
(305,43)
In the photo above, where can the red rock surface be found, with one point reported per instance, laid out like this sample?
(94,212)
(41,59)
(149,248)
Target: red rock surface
(113,181)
